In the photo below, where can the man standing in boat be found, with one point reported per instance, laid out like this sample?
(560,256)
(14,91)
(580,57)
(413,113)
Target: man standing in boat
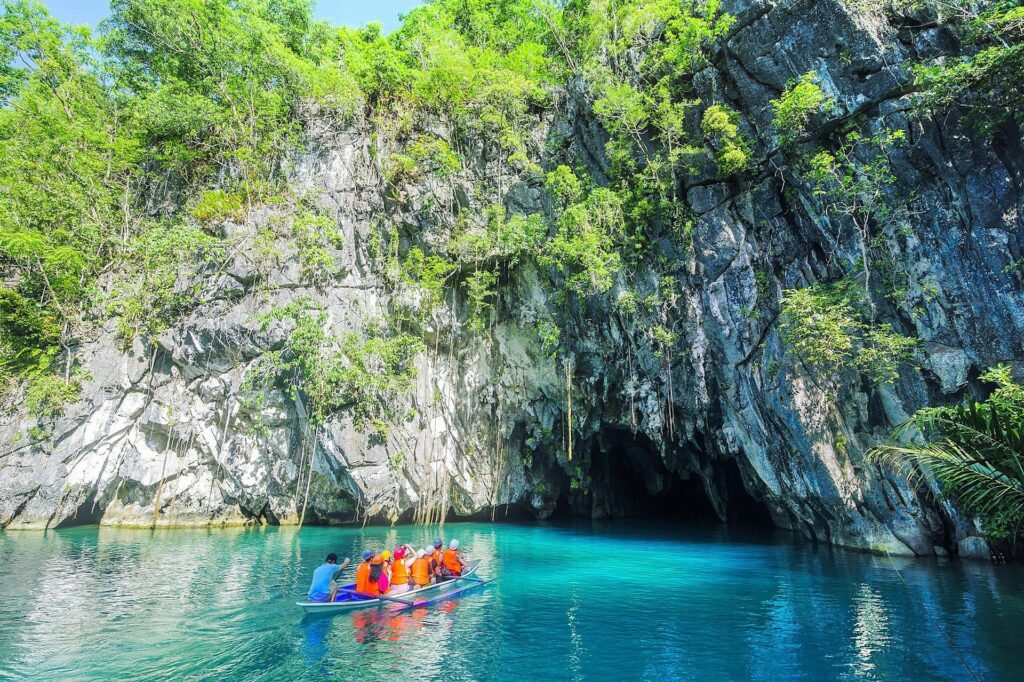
(321,588)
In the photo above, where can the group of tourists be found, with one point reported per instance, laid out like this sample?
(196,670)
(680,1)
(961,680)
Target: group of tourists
(388,572)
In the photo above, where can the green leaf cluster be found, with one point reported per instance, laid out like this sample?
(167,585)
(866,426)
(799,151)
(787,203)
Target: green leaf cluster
(583,248)
(721,130)
(985,79)
(217,206)
(316,235)
(796,106)
(157,280)
(822,325)
(639,58)
(363,374)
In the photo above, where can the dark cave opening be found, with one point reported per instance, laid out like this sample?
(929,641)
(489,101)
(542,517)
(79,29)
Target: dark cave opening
(88,514)
(625,475)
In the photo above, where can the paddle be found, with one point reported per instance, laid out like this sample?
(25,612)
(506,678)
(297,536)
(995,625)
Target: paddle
(381,596)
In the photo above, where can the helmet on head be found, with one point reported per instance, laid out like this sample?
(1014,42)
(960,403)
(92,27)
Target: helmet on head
(454,544)
(427,551)
(367,555)
(400,553)
(385,555)
(438,544)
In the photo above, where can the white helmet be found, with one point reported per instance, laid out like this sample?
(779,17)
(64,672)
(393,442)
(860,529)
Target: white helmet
(419,554)
(454,544)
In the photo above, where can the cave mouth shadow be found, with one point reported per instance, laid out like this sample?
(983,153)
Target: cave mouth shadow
(628,478)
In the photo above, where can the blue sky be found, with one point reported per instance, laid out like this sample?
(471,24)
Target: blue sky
(351,12)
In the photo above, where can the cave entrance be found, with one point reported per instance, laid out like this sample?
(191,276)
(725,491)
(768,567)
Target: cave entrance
(626,476)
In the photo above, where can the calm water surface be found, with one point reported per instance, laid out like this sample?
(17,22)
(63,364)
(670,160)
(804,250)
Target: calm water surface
(580,601)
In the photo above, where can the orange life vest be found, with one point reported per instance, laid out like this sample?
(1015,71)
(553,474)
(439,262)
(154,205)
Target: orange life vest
(421,571)
(399,572)
(452,561)
(363,578)
(436,556)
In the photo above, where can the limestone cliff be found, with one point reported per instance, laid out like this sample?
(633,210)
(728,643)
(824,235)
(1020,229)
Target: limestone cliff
(730,421)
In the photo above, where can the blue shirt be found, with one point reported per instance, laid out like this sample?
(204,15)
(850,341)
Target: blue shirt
(320,588)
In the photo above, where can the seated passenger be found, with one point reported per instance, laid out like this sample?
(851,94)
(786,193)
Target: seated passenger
(377,577)
(452,563)
(385,579)
(435,556)
(422,571)
(399,573)
(323,587)
(363,574)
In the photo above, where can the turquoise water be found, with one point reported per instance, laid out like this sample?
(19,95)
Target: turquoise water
(579,601)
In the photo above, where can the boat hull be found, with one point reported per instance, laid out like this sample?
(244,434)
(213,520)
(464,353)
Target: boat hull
(355,603)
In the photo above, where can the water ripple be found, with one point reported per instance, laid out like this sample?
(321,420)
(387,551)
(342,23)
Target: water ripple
(576,601)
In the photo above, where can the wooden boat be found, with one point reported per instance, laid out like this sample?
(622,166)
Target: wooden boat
(352,602)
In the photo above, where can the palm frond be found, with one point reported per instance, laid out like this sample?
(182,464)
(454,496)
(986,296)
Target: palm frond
(975,482)
(975,449)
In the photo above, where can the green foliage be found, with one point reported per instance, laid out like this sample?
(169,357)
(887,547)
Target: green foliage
(855,185)
(362,374)
(549,335)
(762,287)
(315,234)
(400,169)
(583,249)
(428,273)
(664,340)
(29,333)
(498,237)
(64,170)
(796,105)
(157,280)
(639,58)
(47,394)
(433,155)
(395,461)
(986,80)
(627,303)
(975,450)
(224,77)
(480,294)
(822,326)
(721,130)
(564,186)
(479,63)
(217,206)
(183,90)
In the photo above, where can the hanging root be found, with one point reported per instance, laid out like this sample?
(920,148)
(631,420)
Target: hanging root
(568,402)
(309,475)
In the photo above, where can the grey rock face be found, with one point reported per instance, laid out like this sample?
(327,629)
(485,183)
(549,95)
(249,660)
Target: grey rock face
(730,425)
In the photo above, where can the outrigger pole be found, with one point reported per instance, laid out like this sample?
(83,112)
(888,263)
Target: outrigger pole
(447,595)
(380,596)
